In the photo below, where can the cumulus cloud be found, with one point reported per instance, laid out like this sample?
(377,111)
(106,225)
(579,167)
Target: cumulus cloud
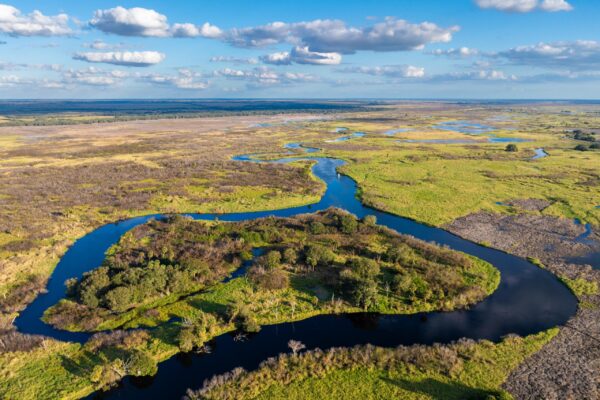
(555,5)
(93,76)
(126,58)
(390,71)
(334,36)
(190,30)
(302,55)
(573,55)
(185,79)
(234,60)
(263,76)
(14,23)
(10,80)
(523,6)
(279,58)
(101,45)
(138,21)
(461,52)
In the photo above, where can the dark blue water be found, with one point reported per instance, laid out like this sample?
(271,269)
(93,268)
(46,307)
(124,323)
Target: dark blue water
(528,300)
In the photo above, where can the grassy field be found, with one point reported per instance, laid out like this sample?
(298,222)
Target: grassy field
(464,370)
(436,184)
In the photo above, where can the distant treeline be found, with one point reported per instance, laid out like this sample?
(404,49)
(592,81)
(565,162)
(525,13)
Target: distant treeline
(39,113)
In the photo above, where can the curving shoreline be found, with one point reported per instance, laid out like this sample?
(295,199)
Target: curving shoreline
(527,300)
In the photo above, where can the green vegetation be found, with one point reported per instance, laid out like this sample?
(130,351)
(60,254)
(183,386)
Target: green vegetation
(463,370)
(331,254)
(581,287)
(511,147)
(436,184)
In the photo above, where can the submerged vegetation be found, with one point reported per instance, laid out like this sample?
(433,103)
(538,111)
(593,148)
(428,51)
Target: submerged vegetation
(329,254)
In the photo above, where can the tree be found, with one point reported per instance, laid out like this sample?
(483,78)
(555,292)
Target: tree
(370,220)
(296,346)
(595,146)
(348,224)
(316,228)
(511,147)
(581,147)
(290,256)
(193,334)
(362,277)
(120,298)
(318,255)
(271,260)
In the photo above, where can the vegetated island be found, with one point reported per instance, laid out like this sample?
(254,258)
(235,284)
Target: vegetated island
(328,262)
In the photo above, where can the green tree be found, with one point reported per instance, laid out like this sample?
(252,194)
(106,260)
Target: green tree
(348,224)
(290,256)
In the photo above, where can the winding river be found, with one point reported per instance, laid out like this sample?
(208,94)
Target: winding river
(528,299)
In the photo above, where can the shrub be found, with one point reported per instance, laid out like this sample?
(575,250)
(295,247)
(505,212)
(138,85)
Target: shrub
(318,255)
(581,147)
(511,147)
(290,256)
(316,228)
(370,220)
(347,223)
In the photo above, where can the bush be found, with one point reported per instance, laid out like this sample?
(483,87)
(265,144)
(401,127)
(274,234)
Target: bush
(316,228)
(348,224)
(318,255)
(290,256)
(581,147)
(595,146)
(271,260)
(272,279)
(511,147)
(370,220)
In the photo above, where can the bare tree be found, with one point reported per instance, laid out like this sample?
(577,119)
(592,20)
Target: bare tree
(296,346)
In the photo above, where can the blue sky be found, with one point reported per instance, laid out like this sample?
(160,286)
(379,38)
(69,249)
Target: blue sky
(309,49)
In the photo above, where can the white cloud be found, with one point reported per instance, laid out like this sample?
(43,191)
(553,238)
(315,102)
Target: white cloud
(10,80)
(461,52)
(185,79)
(555,5)
(93,76)
(334,36)
(138,21)
(575,55)
(101,45)
(390,71)
(234,60)
(279,58)
(126,58)
(13,23)
(263,76)
(190,30)
(523,6)
(302,55)
(480,75)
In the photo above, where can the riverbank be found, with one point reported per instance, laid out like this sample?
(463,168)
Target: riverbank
(567,366)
